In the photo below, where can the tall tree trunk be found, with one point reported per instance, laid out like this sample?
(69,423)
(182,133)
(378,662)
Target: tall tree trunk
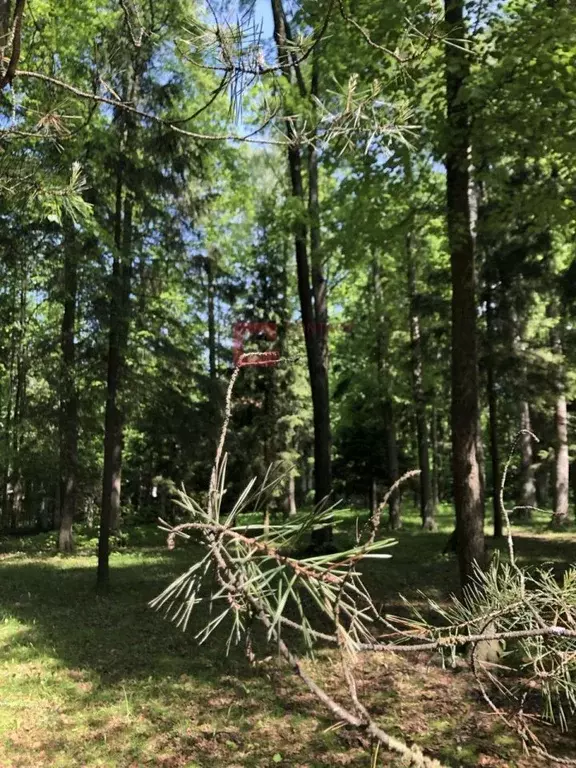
(15,481)
(572,473)
(312,293)
(209,267)
(292,510)
(560,518)
(117,342)
(318,380)
(562,474)
(527,472)
(68,399)
(395,519)
(427,509)
(466,472)
(435,460)
(493,417)
(481,457)
(373,496)
(387,408)
(9,414)
(323,439)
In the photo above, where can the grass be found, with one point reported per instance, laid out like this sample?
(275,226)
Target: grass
(90,680)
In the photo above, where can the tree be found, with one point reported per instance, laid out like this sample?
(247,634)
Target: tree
(467,490)
(68,392)
(493,417)
(528,493)
(311,288)
(426,497)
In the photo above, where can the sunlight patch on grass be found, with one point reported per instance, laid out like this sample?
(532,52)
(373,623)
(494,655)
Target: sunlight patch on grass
(97,681)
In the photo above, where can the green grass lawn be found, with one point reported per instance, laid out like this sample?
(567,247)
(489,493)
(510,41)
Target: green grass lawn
(90,680)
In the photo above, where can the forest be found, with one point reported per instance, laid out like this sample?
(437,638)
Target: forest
(287,353)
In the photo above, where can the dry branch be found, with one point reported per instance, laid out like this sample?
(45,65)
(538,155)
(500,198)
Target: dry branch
(255,578)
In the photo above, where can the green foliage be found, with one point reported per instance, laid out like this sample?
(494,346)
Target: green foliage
(507,599)
(380,113)
(243,573)
(139,92)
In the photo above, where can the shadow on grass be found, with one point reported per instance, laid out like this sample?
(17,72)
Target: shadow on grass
(105,681)
(131,682)
(116,635)
(89,676)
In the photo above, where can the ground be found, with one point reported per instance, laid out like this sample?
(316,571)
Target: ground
(90,680)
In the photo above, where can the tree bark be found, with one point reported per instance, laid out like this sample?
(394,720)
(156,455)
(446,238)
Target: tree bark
(481,457)
(209,267)
(466,472)
(68,400)
(387,407)
(395,519)
(561,517)
(9,413)
(292,510)
(435,460)
(493,418)
(373,496)
(15,481)
(117,342)
(427,509)
(323,439)
(528,485)
(311,291)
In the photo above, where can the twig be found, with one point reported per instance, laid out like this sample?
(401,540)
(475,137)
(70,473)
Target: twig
(136,38)
(454,640)
(251,589)
(260,546)
(349,20)
(414,754)
(250,138)
(377,514)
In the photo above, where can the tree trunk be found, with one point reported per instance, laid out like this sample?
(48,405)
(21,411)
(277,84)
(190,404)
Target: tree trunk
(15,482)
(8,417)
(292,511)
(395,519)
(493,417)
(43,520)
(481,456)
(68,400)
(373,496)
(528,485)
(466,472)
(427,509)
(323,439)
(209,266)
(435,460)
(572,474)
(117,342)
(312,297)
(560,518)
(317,373)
